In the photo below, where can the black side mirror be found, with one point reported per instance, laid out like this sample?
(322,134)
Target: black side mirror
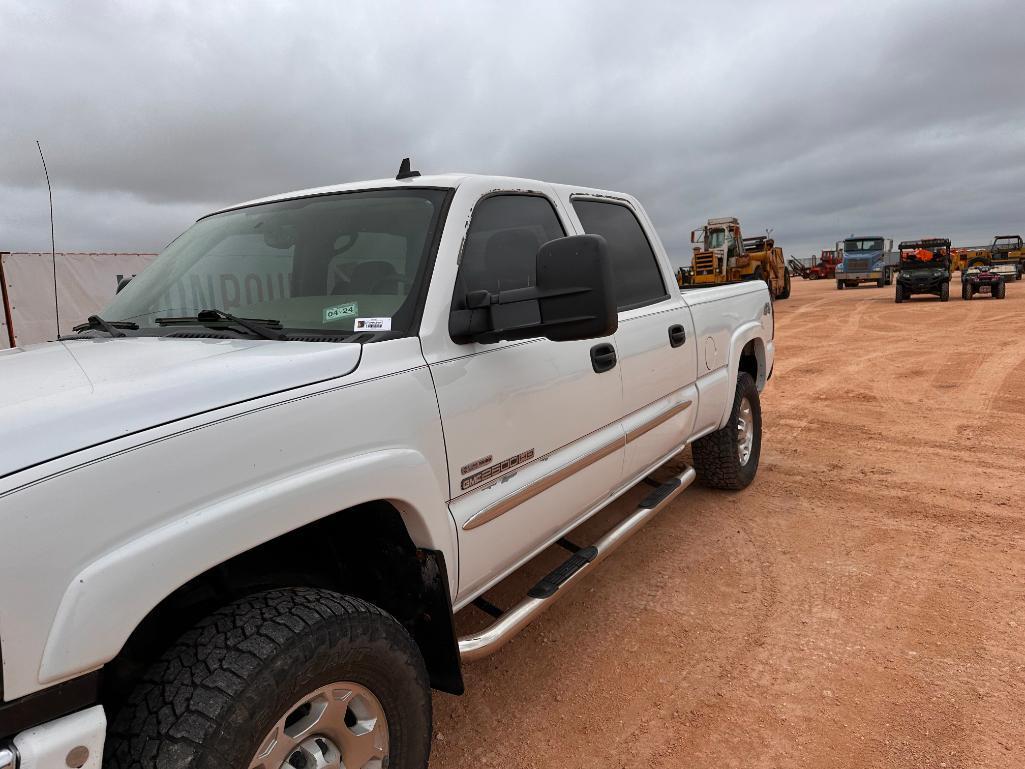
(573,298)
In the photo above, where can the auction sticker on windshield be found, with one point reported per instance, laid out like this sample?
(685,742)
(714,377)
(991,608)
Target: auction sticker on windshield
(340,311)
(372,324)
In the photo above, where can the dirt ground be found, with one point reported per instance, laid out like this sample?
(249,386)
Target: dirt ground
(861,604)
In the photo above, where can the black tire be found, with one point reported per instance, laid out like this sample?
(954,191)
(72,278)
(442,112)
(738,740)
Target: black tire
(785,293)
(1000,290)
(966,291)
(881,282)
(889,277)
(214,695)
(944,292)
(717,455)
(839,285)
(898,296)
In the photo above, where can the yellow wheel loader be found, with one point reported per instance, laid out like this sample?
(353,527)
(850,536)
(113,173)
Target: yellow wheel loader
(724,255)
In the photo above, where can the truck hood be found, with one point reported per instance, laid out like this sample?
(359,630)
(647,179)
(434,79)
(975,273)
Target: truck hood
(61,397)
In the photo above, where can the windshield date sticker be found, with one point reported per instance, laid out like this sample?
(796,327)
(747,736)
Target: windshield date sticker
(372,324)
(340,312)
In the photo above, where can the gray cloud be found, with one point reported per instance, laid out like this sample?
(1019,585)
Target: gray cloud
(815,119)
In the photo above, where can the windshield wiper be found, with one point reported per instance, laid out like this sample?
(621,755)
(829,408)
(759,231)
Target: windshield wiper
(263,328)
(96,323)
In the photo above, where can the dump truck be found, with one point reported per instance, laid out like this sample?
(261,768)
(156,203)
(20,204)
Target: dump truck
(723,255)
(865,259)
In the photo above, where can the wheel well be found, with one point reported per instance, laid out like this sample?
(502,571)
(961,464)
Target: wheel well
(364,551)
(752,361)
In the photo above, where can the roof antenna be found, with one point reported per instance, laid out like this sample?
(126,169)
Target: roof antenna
(404,172)
(53,246)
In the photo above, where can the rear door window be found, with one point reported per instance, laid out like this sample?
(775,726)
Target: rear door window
(635,270)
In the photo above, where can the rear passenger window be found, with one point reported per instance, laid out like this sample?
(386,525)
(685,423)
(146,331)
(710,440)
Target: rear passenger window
(505,234)
(635,271)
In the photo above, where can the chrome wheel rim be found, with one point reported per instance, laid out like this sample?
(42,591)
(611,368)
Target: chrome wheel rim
(339,726)
(745,431)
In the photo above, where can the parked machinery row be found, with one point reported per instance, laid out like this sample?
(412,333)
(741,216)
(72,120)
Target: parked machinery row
(925,266)
(723,255)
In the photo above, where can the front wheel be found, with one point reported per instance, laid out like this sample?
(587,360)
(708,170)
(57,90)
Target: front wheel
(728,458)
(999,290)
(839,285)
(966,291)
(899,294)
(944,292)
(281,679)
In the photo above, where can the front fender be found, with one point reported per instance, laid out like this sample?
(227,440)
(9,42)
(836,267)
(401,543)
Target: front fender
(138,575)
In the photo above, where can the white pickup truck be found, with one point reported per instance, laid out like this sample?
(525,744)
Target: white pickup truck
(239,509)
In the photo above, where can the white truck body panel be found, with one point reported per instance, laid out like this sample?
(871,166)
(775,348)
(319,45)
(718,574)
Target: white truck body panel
(133,465)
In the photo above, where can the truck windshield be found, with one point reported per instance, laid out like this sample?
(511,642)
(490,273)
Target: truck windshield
(868,244)
(714,239)
(320,264)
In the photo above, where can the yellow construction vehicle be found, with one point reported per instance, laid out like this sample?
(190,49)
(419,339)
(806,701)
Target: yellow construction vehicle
(724,255)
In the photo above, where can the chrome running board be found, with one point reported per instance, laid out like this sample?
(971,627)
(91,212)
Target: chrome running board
(546,592)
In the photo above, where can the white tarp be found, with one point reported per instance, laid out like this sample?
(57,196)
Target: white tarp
(85,284)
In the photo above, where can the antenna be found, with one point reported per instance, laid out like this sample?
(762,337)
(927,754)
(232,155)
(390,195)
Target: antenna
(404,172)
(53,245)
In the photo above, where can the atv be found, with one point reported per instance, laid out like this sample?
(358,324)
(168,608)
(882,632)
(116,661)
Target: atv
(981,279)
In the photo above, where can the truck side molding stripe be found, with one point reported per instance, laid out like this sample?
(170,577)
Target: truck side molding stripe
(545,482)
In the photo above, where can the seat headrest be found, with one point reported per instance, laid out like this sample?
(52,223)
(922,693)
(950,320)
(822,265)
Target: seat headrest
(510,258)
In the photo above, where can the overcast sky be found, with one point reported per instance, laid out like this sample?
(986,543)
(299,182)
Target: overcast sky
(817,119)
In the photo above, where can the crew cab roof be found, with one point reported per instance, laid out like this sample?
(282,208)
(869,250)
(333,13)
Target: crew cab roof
(451,180)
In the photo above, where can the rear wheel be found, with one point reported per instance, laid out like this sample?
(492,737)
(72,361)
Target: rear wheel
(999,290)
(944,292)
(839,285)
(785,293)
(898,296)
(282,679)
(881,282)
(728,458)
(965,291)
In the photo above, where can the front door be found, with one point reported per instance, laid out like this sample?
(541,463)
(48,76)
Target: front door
(531,427)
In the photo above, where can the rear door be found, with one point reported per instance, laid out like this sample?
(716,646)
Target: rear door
(656,333)
(530,426)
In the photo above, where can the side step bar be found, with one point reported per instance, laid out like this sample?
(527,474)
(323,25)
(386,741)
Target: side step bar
(552,587)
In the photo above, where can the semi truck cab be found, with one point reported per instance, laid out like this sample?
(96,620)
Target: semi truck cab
(865,259)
